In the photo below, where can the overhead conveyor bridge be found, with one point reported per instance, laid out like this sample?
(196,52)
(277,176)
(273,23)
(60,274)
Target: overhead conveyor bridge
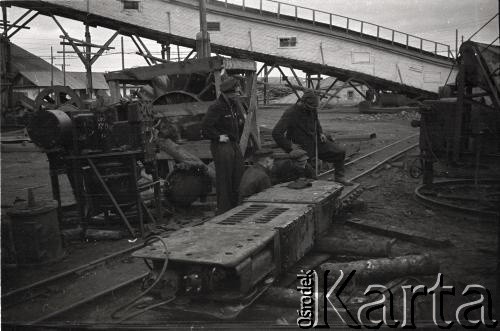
(278,34)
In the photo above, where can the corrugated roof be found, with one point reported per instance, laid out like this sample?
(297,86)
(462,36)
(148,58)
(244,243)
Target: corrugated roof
(43,79)
(75,80)
(38,71)
(22,60)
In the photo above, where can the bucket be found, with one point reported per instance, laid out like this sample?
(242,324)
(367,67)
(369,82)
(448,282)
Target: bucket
(35,232)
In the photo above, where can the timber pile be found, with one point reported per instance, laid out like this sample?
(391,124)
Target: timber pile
(373,257)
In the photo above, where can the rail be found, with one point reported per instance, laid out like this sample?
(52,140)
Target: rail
(282,10)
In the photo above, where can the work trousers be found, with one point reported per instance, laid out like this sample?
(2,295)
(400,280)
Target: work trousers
(333,152)
(229,167)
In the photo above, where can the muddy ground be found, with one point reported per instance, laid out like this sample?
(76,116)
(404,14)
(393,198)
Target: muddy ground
(471,257)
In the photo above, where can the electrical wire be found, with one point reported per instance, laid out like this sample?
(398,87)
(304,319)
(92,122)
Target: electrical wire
(142,311)
(128,305)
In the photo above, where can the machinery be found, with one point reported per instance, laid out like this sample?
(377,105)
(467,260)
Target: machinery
(463,126)
(460,133)
(180,94)
(159,126)
(222,266)
(99,150)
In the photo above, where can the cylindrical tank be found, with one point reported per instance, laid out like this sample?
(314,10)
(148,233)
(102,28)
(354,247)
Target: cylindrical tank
(50,128)
(35,232)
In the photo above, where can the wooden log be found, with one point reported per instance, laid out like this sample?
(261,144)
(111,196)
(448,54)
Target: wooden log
(357,247)
(403,234)
(383,269)
(181,155)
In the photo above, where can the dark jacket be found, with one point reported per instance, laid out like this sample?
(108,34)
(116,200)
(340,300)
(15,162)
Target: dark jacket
(254,180)
(286,171)
(297,125)
(222,117)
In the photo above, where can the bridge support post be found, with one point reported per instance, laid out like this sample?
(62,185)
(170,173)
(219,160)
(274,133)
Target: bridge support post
(266,80)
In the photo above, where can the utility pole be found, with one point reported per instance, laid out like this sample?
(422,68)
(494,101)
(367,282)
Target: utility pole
(51,68)
(456,43)
(6,66)
(178,54)
(64,62)
(202,37)
(124,87)
(88,65)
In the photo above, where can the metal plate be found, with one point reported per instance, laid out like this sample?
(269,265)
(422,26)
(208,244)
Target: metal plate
(295,223)
(220,245)
(320,191)
(270,215)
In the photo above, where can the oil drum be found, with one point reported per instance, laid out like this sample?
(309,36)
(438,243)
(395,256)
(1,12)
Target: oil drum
(35,232)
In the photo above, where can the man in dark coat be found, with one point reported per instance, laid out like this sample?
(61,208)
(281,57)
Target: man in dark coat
(223,125)
(292,168)
(257,177)
(299,125)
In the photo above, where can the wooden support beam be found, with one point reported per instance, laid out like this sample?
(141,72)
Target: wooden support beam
(66,35)
(250,130)
(331,96)
(190,53)
(22,26)
(271,69)
(157,59)
(79,42)
(261,68)
(288,82)
(331,85)
(140,50)
(145,48)
(296,77)
(7,27)
(103,48)
(357,90)
(266,80)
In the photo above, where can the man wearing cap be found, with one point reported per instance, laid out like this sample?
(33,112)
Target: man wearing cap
(223,125)
(299,125)
(292,168)
(257,177)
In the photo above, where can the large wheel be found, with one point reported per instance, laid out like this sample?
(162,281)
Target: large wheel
(174,97)
(56,96)
(180,89)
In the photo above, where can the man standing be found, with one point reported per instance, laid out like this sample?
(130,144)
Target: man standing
(256,178)
(223,124)
(300,125)
(292,168)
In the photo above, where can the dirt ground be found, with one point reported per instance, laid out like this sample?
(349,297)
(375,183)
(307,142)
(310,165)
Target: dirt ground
(470,259)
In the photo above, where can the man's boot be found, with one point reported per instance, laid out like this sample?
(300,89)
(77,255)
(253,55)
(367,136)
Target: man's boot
(339,174)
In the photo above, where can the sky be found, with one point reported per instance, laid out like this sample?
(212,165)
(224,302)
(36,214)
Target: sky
(436,20)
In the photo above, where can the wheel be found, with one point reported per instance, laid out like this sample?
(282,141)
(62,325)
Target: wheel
(179,89)
(56,96)
(174,97)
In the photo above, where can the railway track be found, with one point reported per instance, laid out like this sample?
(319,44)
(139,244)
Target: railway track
(55,295)
(43,301)
(367,163)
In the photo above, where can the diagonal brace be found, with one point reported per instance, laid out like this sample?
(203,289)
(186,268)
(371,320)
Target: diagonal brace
(75,48)
(22,26)
(103,48)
